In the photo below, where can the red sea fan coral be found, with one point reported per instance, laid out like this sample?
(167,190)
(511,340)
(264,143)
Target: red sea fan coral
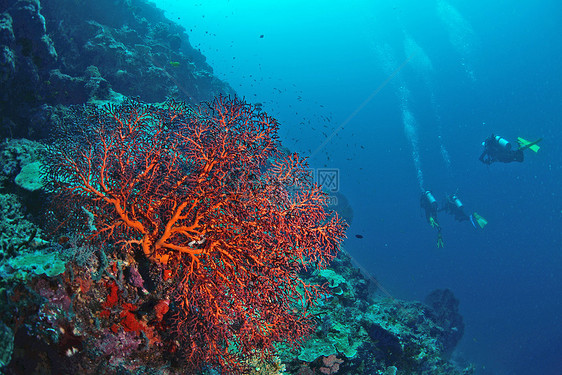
(207,197)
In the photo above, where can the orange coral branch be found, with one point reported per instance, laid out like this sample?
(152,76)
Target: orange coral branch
(209,198)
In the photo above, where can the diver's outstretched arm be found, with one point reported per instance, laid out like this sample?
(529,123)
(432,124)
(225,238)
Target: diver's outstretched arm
(485,158)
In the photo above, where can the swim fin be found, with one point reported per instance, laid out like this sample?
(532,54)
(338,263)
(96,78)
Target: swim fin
(523,144)
(476,219)
(440,242)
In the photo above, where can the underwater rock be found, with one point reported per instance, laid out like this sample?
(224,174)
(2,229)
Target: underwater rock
(66,89)
(372,333)
(31,33)
(46,48)
(7,65)
(7,37)
(15,154)
(26,266)
(29,23)
(30,178)
(7,55)
(387,345)
(6,344)
(141,42)
(26,55)
(175,42)
(445,310)
(98,87)
(16,231)
(44,53)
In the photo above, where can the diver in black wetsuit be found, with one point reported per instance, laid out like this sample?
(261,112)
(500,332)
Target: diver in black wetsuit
(429,205)
(454,206)
(498,149)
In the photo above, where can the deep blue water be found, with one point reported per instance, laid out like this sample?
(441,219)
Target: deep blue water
(380,90)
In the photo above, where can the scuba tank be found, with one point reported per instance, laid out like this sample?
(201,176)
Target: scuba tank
(454,200)
(503,143)
(430,200)
(429,205)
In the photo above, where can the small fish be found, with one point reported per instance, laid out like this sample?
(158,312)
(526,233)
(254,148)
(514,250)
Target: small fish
(175,64)
(359,236)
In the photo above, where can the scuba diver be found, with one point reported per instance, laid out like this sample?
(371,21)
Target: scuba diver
(429,205)
(454,206)
(499,149)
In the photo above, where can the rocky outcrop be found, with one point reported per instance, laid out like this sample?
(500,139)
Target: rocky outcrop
(64,52)
(372,333)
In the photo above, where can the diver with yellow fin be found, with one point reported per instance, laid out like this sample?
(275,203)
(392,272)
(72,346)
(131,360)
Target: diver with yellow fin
(476,219)
(499,149)
(533,146)
(429,205)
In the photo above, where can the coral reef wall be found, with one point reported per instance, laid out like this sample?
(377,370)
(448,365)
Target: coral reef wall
(63,52)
